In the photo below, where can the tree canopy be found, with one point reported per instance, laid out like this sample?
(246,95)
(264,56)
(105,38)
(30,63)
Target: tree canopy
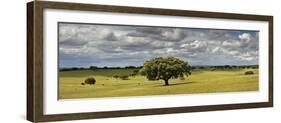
(165,68)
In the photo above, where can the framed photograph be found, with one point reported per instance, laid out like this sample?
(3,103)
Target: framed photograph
(89,61)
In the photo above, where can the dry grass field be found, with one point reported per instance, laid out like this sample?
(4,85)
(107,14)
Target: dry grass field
(201,81)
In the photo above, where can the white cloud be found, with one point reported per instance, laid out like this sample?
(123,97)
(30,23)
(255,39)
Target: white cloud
(245,37)
(184,45)
(216,49)
(231,43)
(233,52)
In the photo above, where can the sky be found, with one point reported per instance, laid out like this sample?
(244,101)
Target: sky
(84,45)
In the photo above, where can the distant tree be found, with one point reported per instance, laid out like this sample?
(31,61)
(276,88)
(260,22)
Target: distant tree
(130,67)
(219,67)
(227,67)
(90,81)
(165,68)
(64,69)
(135,72)
(93,67)
(201,67)
(105,67)
(242,67)
(234,67)
(74,68)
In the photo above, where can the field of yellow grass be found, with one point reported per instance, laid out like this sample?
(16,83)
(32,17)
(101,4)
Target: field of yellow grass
(201,81)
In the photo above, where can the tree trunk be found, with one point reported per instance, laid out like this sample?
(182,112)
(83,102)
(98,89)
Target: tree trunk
(166,82)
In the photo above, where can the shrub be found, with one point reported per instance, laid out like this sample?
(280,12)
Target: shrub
(115,76)
(82,83)
(249,72)
(90,81)
(213,69)
(124,77)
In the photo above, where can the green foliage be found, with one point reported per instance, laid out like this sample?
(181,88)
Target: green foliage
(135,72)
(165,68)
(249,73)
(90,81)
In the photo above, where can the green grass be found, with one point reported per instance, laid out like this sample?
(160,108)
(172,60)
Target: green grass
(201,81)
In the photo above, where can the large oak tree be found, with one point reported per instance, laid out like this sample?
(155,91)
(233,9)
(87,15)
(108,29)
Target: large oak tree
(165,68)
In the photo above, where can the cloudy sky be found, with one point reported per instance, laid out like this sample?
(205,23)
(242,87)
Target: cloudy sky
(83,45)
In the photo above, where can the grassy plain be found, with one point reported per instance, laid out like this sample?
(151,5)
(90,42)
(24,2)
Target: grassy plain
(201,81)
